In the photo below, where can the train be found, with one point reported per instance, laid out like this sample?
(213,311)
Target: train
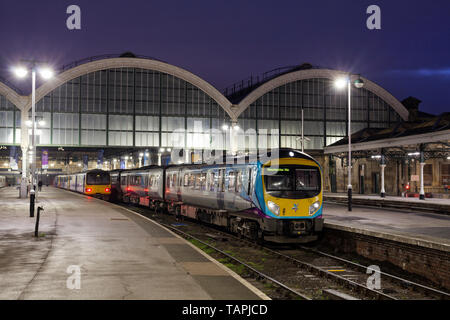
(276,200)
(3,181)
(96,183)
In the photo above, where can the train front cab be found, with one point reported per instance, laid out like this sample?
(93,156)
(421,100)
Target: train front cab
(292,198)
(98,184)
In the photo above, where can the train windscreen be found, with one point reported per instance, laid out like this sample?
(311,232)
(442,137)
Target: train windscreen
(292,181)
(98,178)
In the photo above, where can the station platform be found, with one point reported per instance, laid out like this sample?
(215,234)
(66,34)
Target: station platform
(120,255)
(435,205)
(412,227)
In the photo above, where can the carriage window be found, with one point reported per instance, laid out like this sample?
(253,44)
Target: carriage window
(307,180)
(123,180)
(150,181)
(136,180)
(239,181)
(203,181)
(222,180)
(231,180)
(186,180)
(191,180)
(198,181)
(174,179)
(168,180)
(212,181)
(100,178)
(250,181)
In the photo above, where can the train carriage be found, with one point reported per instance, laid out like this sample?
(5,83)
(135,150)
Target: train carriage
(279,199)
(95,183)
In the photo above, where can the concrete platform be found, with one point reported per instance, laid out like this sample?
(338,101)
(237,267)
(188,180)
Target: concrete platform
(433,205)
(412,227)
(120,255)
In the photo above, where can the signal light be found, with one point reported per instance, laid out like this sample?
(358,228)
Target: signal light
(88,189)
(407,187)
(107,190)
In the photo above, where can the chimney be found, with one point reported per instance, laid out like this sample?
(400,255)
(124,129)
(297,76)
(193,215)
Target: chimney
(412,104)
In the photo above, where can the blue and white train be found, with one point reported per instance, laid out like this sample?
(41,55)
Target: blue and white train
(278,200)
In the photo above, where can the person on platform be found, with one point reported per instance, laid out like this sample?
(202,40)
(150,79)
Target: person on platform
(40,185)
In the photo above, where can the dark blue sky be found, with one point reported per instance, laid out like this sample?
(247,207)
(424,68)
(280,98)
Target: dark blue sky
(225,41)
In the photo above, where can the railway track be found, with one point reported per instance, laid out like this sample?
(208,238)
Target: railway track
(307,272)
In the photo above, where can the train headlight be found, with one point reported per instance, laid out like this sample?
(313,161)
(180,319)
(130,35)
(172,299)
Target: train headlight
(274,207)
(314,207)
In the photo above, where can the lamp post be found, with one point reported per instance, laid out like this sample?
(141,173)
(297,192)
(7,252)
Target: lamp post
(340,84)
(46,73)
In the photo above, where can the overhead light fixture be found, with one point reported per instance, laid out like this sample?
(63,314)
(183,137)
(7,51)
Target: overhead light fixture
(225,127)
(46,73)
(376,156)
(340,83)
(20,71)
(412,154)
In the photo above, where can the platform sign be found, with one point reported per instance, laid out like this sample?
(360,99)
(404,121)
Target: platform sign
(122,164)
(13,155)
(85,162)
(415,177)
(44,159)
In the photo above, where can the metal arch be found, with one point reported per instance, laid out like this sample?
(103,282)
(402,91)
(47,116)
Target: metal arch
(319,73)
(140,63)
(12,95)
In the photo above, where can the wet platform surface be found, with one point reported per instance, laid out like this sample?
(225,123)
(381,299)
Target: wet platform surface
(120,255)
(415,227)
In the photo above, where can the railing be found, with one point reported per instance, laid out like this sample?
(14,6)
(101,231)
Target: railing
(105,56)
(253,81)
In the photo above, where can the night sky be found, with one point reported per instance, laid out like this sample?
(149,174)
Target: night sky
(226,41)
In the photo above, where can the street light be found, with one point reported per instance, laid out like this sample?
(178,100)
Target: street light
(340,84)
(46,73)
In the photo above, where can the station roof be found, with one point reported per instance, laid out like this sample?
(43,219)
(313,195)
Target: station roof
(239,90)
(424,129)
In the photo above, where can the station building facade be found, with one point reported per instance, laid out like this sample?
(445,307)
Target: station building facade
(135,103)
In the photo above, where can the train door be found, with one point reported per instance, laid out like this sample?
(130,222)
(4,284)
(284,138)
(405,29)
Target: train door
(250,182)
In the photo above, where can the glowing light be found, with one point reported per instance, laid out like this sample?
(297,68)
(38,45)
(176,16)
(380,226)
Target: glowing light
(20,71)
(28,123)
(225,127)
(412,154)
(340,83)
(41,123)
(46,73)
